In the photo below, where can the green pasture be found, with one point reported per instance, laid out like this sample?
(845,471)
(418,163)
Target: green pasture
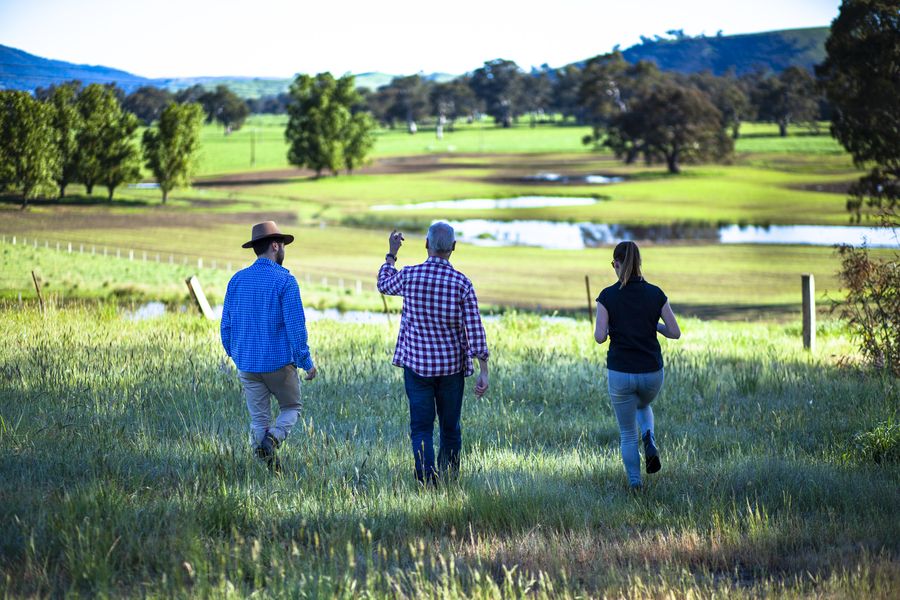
(125,470)
(262,138)
(794,180)
(708,194)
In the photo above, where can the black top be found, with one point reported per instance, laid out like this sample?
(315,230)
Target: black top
(634,312)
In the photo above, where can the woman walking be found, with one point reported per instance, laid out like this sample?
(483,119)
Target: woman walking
(628,312)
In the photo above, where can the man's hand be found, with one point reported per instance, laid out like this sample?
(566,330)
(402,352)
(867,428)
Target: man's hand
(395,241)
(310,375)
(481,384)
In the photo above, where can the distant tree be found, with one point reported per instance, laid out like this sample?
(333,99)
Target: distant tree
(190,94)
(537,94)
(148,102)
(28,158)
(271,105)
(99,108)
(66,122)
(410,100)
(360,139)
(728,96)
(787,98)
(170,148)
(564,98)
(672,123)
(609,86)
(120,160)
(226,107)
(380,103)
(499,85)
(453,100)
(861,78)
(44,93)
(322,128)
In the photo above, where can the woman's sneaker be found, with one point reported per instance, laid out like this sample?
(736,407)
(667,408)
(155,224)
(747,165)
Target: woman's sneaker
(651,454)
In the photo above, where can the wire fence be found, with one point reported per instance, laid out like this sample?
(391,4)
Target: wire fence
(145,255)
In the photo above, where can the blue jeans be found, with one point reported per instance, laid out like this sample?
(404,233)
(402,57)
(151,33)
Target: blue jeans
(631,395)
(430,396)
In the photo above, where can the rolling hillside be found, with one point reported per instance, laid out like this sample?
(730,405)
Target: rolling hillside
(773,50)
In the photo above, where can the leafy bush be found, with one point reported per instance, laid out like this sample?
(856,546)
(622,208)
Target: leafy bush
(872,307)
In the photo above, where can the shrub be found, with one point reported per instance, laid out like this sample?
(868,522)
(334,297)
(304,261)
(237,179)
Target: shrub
(872,307)
(880,445)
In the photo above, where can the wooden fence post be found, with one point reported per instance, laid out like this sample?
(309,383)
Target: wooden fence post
(808,283)
(199,297)
(37,288)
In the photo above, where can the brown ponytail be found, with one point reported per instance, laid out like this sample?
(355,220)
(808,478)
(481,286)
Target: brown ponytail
(629,257)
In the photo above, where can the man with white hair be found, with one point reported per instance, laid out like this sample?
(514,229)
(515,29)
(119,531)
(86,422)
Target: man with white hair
(440,333)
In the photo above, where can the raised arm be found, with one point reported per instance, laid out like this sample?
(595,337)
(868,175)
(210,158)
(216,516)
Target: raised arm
(390,280)
(669,327)
(601,328)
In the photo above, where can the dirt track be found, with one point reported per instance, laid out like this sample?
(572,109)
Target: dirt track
(512,167)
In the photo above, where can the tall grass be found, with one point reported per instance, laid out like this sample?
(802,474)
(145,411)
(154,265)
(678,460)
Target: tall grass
(125,470)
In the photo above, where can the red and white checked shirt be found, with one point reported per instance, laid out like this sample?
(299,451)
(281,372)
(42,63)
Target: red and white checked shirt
(440,328)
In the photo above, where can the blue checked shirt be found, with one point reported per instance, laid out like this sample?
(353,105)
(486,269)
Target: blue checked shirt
(263,326)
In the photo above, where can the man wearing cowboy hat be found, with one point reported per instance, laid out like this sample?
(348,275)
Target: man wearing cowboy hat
(264,331)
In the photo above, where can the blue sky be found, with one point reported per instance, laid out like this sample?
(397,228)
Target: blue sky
(277,38)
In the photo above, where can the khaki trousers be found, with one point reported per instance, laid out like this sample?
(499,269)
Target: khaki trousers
(284,384)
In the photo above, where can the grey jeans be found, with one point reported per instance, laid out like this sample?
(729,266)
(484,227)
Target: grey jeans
(284,384)
(631,395)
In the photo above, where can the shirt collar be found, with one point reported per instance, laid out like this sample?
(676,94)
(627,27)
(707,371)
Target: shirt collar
(439,260)
(265,262)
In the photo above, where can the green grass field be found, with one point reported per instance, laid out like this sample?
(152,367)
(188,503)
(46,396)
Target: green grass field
(232,153)
(124,464)
(125,470)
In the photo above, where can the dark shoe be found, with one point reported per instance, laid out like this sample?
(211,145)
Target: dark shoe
(266,452)
(651,454)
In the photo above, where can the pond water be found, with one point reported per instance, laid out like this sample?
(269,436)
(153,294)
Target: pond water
(575,236)
(491,203)
(588,179)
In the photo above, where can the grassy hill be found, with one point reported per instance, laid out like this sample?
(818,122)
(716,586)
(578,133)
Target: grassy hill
(20,70)
(23,71)
(773,50)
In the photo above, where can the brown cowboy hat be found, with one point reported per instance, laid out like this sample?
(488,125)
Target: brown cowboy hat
(267,229)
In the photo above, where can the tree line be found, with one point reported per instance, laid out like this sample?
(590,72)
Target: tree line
(69,134)
(72,134)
